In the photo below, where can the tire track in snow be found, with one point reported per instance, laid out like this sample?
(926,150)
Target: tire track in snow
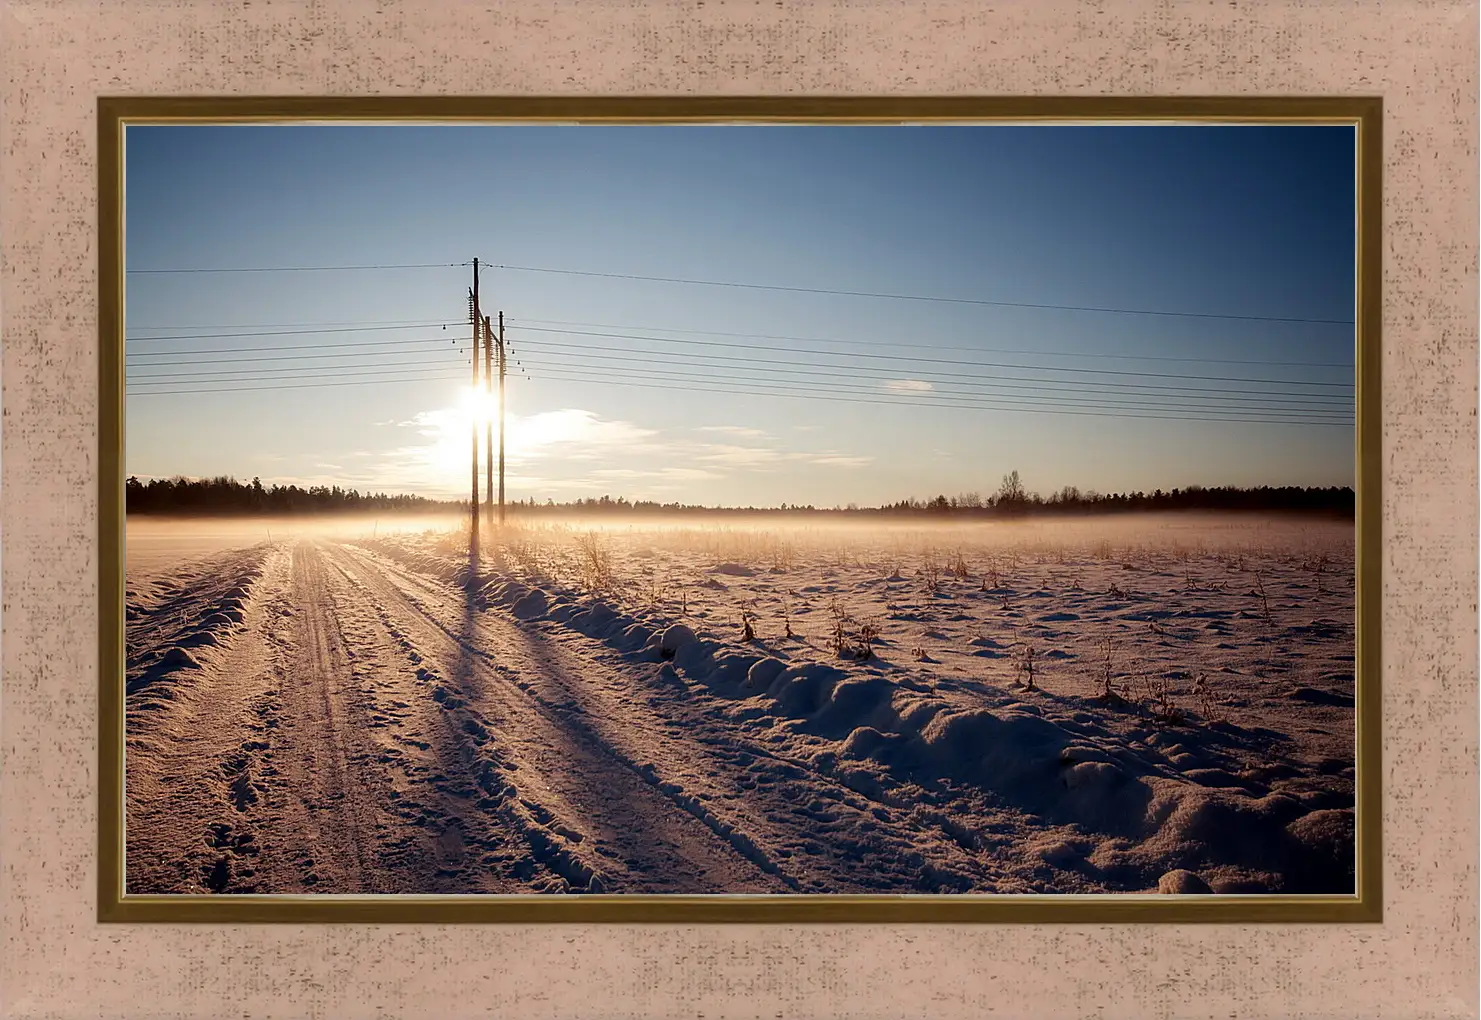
(593,773)
(321,815)
(192,748)
(476,750)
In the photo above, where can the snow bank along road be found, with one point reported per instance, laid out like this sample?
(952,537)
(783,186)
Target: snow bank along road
(379,717)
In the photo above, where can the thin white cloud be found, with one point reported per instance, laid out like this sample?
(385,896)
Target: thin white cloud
(839,460)
(670,473)
(735,430)
(908,386)
(740,456)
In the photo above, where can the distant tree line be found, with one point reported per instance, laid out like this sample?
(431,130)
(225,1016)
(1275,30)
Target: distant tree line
(224,495)
(1012,499)
(228,496)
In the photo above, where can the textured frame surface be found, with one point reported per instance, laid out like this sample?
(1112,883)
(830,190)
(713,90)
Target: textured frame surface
(59,58)
(1366,904)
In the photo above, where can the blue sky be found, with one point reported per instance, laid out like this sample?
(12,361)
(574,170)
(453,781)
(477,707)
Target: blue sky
(746,394)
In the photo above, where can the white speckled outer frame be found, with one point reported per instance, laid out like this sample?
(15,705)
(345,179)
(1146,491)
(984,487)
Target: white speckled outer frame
(58,56)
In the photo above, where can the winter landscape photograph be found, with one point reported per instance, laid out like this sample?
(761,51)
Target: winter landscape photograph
(538,509)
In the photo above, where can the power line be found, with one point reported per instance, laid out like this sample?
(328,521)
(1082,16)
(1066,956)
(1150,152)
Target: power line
(673,340)
(302,357)
(809,394)
(929,298)
(294,325)
(295,386)
(940,347)
(266,374)
(193,357)
(377,325)
(210,355)
(940,396)
(939,361)
(296,269)
(1104,309)
(287,332)
(1163,402)
(186,356)
(845,384)
(871,373)
(560,373)
(842,384)
(1179,388)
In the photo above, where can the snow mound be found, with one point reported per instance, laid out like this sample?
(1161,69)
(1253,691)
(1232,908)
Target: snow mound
(595,620)
(1182,882)
(735,570)
(635,636)
(852,702)
(731,668)
(802,690)
(761,675)
(531,605)
(863,742)
(674,638)
(1325,848)
(1330,831)
(1194,827)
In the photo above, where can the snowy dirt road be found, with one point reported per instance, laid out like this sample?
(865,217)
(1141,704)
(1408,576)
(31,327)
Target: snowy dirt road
(360,731)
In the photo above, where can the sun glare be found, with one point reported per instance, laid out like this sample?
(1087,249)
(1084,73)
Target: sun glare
(476,406)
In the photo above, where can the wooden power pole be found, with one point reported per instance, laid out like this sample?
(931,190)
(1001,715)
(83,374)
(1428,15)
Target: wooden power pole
(477,328)
(501,419)
(488,391)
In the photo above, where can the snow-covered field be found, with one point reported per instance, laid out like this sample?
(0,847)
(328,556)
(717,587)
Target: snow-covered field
(1123,704)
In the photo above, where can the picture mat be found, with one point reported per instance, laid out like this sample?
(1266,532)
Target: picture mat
(58,961)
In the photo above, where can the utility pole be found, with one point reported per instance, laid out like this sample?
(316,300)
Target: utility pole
(488,442)
(501,419)
(477,324)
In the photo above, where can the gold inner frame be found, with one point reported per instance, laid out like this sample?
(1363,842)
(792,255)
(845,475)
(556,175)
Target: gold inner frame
(114,113)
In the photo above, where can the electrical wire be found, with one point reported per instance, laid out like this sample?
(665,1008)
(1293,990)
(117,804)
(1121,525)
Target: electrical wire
(296,357)
(577,378)
(296,386)
(810,393)
(941,397)
(869,373)
(936,361)
(922,297)
(912,345)
(267,374)
(295,269)
(509,267)
(289,332)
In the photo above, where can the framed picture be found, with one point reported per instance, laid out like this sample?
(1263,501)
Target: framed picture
(739,509)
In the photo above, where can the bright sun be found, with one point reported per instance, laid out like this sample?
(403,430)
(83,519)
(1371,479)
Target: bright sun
(447,433)
(476,407)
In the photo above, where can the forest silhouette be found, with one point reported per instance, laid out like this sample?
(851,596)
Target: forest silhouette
(223,495)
